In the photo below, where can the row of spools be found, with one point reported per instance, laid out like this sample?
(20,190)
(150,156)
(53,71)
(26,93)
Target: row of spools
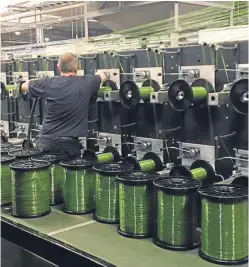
(142,203)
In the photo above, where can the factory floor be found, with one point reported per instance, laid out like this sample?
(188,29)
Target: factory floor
(103,242)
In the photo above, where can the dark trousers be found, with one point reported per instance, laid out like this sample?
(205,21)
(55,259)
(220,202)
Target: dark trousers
(66,145)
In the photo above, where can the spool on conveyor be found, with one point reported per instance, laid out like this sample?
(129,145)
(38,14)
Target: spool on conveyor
(150,162)
(130,93)
(110,154)
(199,170)
(239,96)
(107,86)
(182,95)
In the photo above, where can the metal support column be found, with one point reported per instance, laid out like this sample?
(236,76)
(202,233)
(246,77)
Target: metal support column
(176,16)
(86,21)
(39,35)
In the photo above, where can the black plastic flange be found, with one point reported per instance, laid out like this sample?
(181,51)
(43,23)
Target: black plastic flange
(89,154)
(153,156)
(114,151)
(180,171)
(129,94)
(239,96)
(133,161)
(180,95)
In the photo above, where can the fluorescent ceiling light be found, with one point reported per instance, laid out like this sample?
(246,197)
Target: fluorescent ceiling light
(17,33)
(46,39)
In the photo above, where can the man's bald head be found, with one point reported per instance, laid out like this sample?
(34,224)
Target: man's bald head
(67,63)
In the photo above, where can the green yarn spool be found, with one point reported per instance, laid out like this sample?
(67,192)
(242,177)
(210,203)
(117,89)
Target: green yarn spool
(105,157)
(135,204)
(5,196)
(147,165)
(176,213)
(56,175)
(106,191)
(103,90)
(30,189)
(199,174)
(199,93)
(224,224)
(145,92)
(78,186)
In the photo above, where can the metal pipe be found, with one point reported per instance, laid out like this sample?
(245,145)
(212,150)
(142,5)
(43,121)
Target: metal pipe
(86,21)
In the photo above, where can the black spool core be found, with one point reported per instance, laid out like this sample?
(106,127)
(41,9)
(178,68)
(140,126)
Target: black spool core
(129,92)
(239,96)
(108,83)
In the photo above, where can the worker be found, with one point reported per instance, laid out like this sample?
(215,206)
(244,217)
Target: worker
(66,115)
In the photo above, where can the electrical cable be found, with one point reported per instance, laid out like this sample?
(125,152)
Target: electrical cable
(136,204)
(56,175)
(106,200)
(224,224)
(30,189)
(5,194)
(176,213)
(78,186)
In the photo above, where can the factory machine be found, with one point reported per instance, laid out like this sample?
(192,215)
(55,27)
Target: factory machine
(179,111)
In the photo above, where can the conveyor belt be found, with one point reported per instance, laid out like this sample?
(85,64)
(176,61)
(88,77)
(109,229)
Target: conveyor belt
(91,242)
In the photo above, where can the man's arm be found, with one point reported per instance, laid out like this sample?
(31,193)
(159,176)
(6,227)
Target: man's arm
(35,87)
(99,78)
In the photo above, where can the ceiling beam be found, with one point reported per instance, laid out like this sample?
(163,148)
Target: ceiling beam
(37,12)
(207,4)
(92,14)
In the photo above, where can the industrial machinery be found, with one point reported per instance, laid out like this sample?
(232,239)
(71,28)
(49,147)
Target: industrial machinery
(180,113)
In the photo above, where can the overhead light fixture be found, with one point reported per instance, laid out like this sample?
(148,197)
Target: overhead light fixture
(17,33)
(46,39)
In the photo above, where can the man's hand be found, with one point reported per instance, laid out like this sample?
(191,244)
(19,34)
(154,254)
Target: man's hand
(102,76)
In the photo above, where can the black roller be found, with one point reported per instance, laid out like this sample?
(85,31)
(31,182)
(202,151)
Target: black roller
(3,91)
(180,95)
(129,94)
(108,83)
(239,96)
